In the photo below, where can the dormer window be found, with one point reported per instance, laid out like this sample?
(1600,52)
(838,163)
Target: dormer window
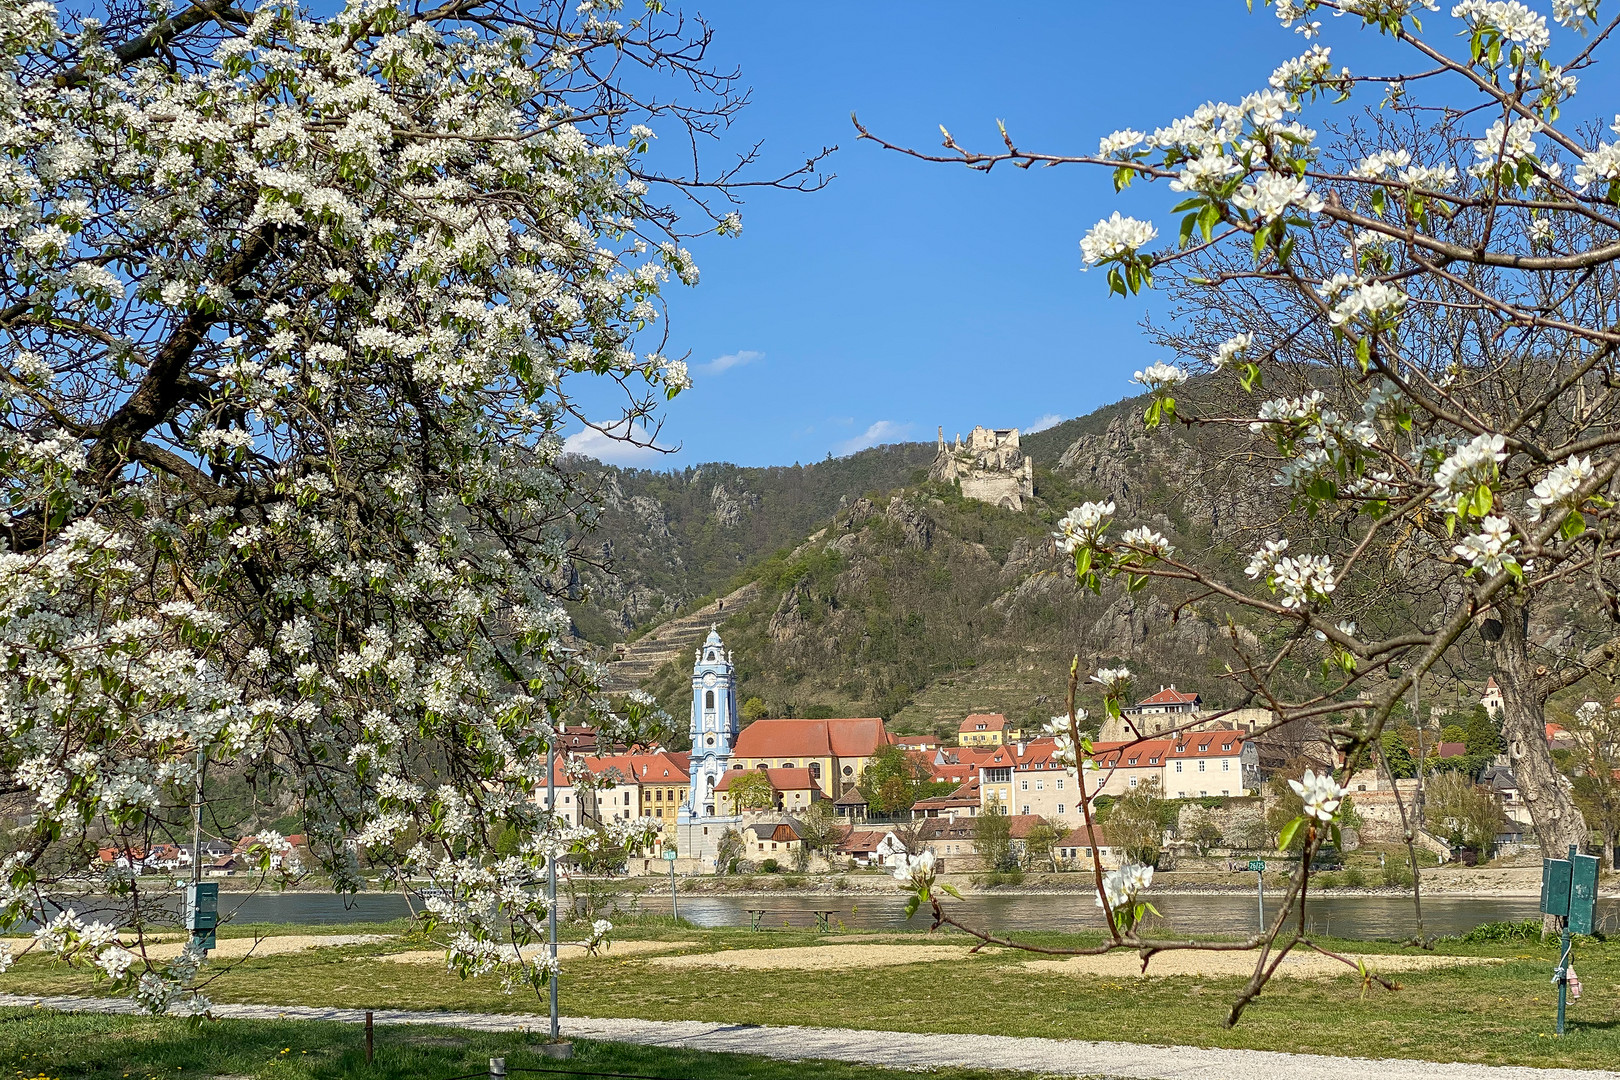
(1226,747)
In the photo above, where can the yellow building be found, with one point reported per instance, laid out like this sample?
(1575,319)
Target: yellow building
(986,729)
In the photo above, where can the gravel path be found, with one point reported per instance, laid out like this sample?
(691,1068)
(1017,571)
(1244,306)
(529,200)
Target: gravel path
(1057,1057)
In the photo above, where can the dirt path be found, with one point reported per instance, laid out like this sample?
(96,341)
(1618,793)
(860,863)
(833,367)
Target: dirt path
(1217,965)
(817,957)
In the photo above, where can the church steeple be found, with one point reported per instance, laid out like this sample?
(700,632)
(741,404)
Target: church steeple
(714,722)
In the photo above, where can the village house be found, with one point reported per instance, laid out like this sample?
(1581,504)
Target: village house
(772,838)
(835,752)
(964,802)
(1078,851)
(951,841)
(868,847)
(983,729)
(663,786)
(1215,762)
(1122,767)
(917,742)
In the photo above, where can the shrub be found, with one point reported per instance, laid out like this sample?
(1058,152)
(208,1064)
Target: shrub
(997,878)
(1326,880)
(1355,878)
(1493,933)
(1396,872)
(770,866)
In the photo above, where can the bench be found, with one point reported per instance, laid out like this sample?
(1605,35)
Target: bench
(823,918)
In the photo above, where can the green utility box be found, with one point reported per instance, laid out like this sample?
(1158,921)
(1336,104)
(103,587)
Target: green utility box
(202,911)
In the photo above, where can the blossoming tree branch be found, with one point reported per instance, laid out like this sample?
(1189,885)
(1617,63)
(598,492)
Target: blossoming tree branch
(1403,287)
(291,314)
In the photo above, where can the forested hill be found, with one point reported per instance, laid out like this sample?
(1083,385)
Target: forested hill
(883,594)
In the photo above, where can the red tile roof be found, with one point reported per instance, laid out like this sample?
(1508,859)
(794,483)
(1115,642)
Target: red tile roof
(639,768)
(917,742)
(781,779)
(1207,744)
(1080,838)
(811,738)
(1019,825)
(983,722)
(1169,695)
(1453,749)
(1118,755)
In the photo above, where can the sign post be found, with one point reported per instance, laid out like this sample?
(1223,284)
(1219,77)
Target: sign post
(669,857)
(1259,868)
(202,912)
(1568,892)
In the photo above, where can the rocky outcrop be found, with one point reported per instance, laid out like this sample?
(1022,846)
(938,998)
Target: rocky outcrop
(916,527)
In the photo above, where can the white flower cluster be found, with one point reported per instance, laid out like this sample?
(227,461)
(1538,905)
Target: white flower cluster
(1302,72)
(1116,237)
(1358,301)
(1376,165)
(1147,540)
(1600,164)
(1509,18)
(1470,465)
(1083,526)
(1559,486)
(1491,548)
(1322,795)
(916,871)
(1229,350)
(1160,376)
(1123,886)
(1114,681)
(1119,143)
(1303,580)
(1272,195)
(1574,14)
(1510,143)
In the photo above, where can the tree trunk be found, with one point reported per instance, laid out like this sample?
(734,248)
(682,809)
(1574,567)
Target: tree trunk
(1552,809)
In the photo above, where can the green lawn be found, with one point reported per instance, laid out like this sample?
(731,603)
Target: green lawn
(39,1043)
(1492,1014)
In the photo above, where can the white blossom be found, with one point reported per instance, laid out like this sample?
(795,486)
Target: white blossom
(1272,195)
(1559,486)
(1511,19)
(1322,795)
(1116,237)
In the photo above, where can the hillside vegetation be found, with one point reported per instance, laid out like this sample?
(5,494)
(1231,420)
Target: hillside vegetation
(880,593)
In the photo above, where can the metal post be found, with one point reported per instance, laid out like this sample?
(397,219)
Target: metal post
(368,1036)
(1563,976)
(551,886)
(1260,883)
(674,905)
(196,820)
(497,1068)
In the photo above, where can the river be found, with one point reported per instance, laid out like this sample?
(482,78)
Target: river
(1366,917)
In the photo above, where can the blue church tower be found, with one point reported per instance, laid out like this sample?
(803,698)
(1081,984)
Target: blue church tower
(713,727)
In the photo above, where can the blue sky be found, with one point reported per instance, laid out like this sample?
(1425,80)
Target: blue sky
(906,295)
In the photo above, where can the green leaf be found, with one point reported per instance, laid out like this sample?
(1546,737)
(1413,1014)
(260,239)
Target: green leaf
(912,904)
(1082,562)
(1285,839)
(951,889)
(1573,525)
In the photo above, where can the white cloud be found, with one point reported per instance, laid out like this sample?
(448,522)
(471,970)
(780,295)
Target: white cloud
(1051,419)
(614,451)
(730,360)
(880,432)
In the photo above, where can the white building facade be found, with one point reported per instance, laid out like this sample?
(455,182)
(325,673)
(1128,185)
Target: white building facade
(702,820)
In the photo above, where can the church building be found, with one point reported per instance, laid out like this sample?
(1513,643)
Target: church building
(703,818)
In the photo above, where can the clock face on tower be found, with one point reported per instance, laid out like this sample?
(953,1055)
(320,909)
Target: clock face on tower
(709,679)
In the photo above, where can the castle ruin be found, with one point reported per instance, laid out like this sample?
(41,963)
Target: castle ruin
(990,467)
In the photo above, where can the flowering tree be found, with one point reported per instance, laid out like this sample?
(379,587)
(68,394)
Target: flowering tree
(292,312)
(1412,320)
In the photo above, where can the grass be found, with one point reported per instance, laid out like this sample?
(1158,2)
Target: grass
(1498,1014)
(38,1043)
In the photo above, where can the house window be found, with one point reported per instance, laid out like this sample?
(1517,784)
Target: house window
(1133,781)
(815,770)
(1040,785)
(1133,761)
(1178,766)
(1227,747)
(1200,766)
(1060,808)
(1060,787)
(1226,766)
(1023,785)
(1026,808)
